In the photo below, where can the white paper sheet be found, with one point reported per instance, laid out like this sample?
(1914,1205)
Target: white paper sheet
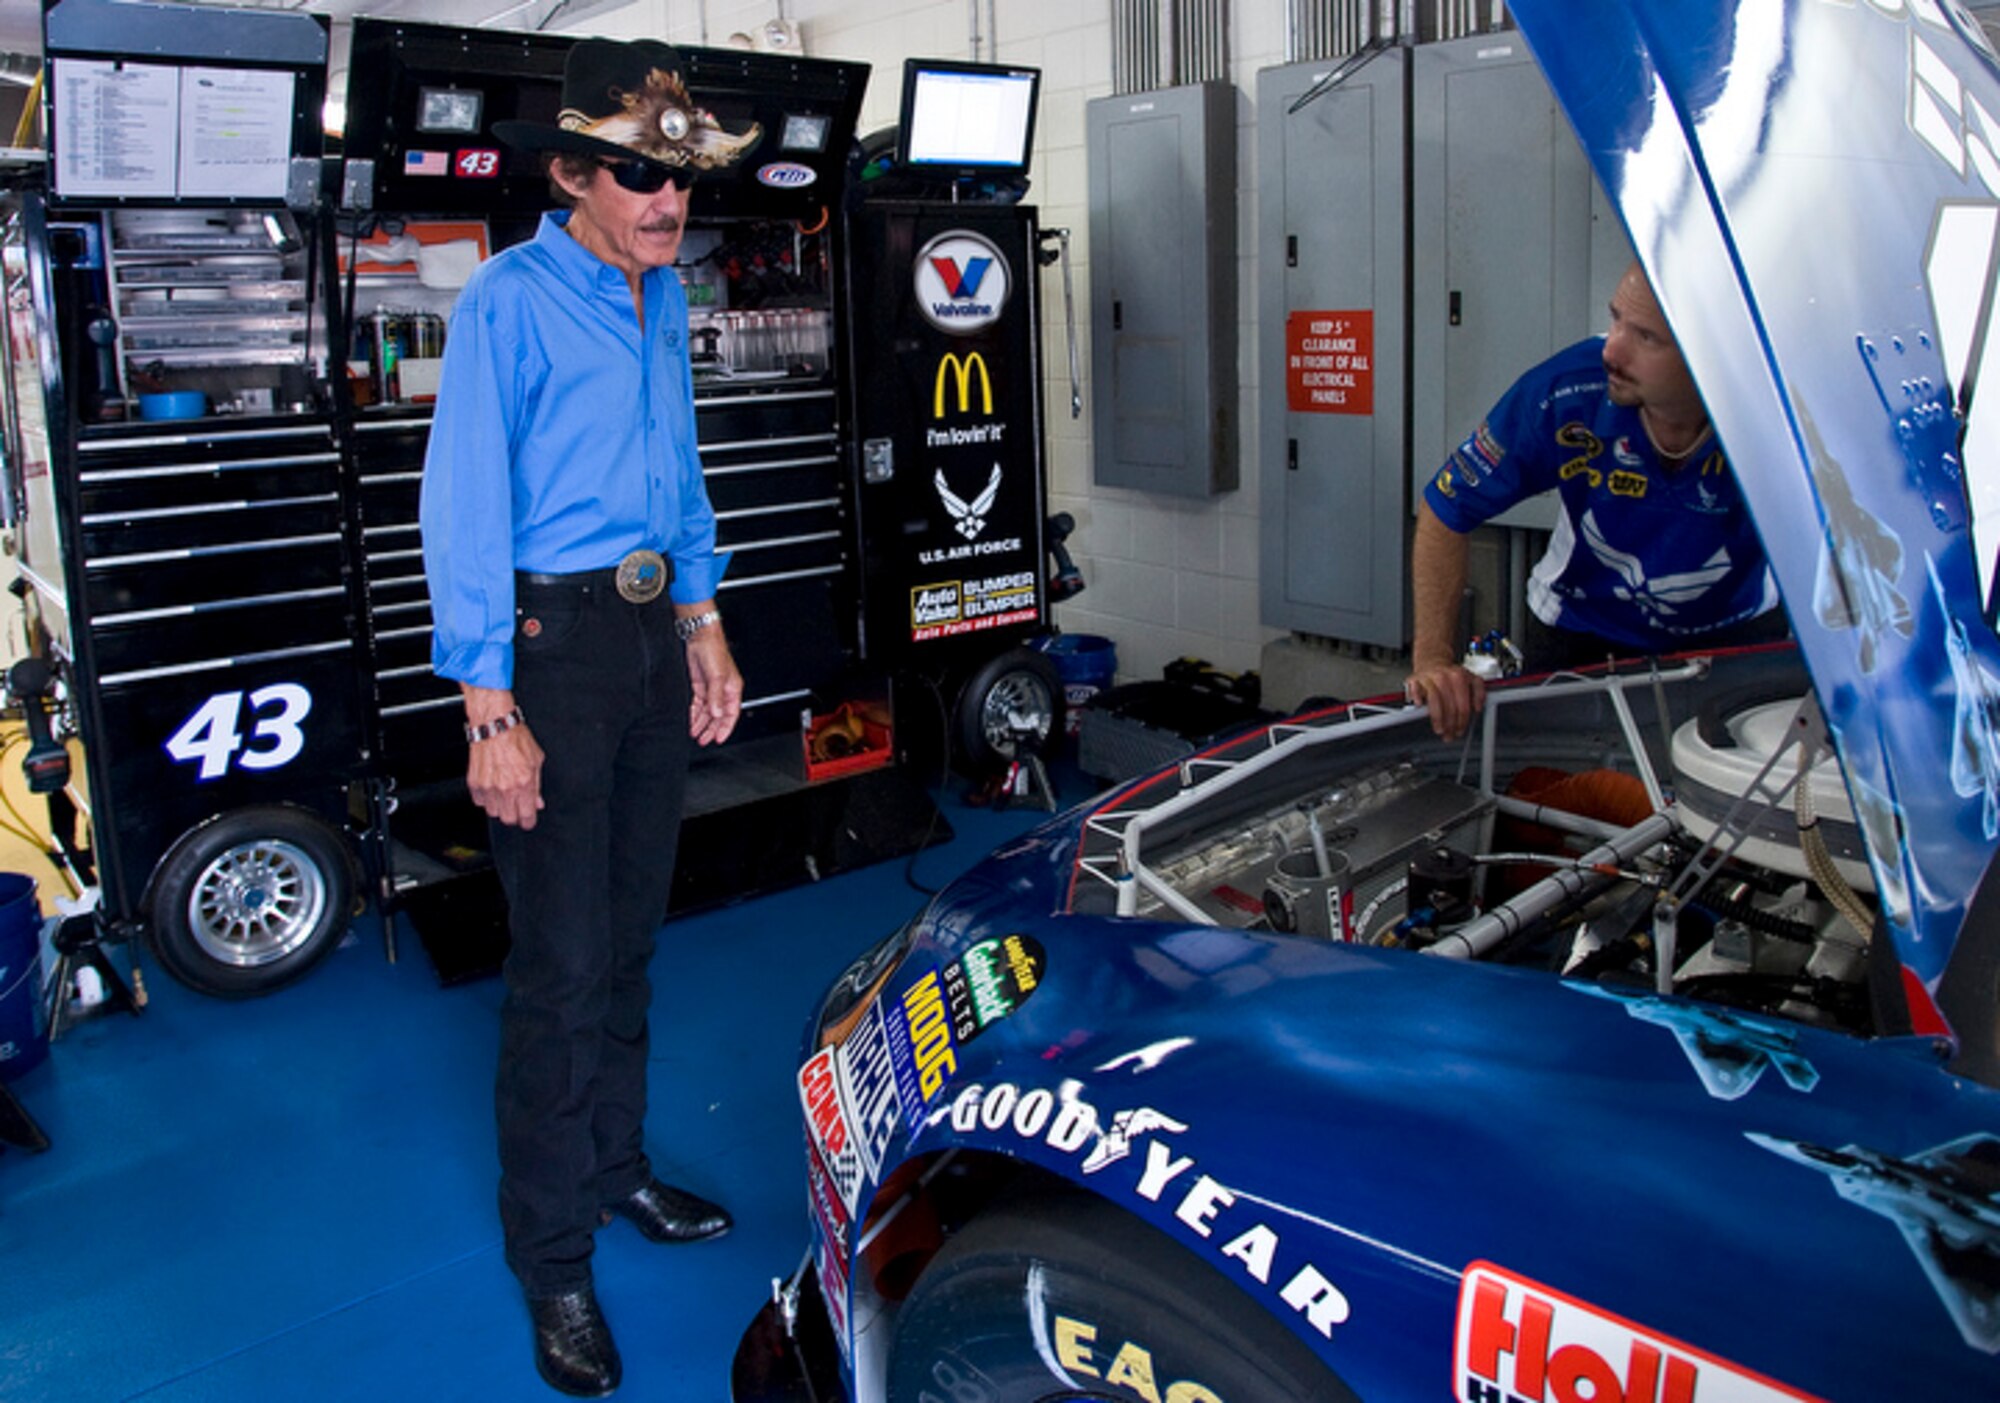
(116,128)
(236,133)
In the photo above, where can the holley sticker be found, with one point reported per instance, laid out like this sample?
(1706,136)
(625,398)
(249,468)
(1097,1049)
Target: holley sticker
(1522,1342)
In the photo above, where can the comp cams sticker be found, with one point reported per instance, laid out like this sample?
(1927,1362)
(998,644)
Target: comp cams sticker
(900,1055)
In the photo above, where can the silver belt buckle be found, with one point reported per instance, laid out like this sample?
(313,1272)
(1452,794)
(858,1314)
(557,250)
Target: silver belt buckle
(642,576)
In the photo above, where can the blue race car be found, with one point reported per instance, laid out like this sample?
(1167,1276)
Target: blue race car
(1642,1047)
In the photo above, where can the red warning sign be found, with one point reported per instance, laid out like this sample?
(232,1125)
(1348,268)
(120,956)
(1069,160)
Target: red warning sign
(1330,362)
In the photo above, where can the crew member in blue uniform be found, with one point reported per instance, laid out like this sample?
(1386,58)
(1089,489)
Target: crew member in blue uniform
(570,550)
(1653,548)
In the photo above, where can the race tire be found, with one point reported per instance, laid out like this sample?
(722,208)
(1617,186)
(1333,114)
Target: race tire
(251,901)
(1065,1277)
(1020,685)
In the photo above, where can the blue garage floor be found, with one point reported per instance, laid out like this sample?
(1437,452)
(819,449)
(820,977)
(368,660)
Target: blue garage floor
(292,1198)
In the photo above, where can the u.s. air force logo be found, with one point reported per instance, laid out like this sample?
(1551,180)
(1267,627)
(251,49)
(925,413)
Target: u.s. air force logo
(968,514)
(1658,597)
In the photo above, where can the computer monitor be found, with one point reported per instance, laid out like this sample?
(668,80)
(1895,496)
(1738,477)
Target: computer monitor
(967,119)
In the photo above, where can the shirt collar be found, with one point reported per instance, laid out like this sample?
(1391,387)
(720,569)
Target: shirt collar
(576,264)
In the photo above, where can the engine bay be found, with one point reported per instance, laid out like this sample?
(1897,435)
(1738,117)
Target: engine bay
(1651,831)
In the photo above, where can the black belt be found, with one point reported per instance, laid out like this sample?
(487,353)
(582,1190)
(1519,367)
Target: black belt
(641,586)
(583,581)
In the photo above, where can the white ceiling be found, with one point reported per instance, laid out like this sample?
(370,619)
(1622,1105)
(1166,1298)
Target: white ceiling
(21,20)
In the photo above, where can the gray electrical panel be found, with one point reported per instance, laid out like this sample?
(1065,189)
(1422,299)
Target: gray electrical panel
(1332,452)
(1162,177)
(1514,251)
(1477,191)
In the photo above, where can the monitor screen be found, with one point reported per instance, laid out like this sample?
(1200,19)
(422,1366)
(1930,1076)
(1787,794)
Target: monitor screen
(974,118)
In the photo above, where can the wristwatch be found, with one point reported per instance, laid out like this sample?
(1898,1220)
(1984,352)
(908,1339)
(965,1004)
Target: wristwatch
(688,627)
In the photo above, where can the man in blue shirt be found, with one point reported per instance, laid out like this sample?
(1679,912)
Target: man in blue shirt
(1653,548)
(570,551)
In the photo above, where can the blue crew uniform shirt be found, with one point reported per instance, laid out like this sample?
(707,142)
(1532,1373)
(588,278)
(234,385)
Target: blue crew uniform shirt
(1646,556)
(564,439)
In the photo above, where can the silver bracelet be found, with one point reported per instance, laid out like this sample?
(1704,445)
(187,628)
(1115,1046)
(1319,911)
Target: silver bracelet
(486,730)
(687,628)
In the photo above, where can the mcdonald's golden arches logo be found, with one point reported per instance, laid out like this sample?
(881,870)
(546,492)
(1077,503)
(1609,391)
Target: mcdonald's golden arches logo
(961,368)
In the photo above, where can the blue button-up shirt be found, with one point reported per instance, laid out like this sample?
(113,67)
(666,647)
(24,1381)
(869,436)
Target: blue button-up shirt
(564,439)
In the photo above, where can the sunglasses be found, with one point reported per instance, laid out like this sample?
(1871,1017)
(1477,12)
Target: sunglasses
(644,177)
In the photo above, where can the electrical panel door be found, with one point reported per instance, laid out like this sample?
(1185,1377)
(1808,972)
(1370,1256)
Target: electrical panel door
(1162,176)
(1332,448)
(1511,257)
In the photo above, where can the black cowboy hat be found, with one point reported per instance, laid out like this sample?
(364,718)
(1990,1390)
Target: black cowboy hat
(626,100)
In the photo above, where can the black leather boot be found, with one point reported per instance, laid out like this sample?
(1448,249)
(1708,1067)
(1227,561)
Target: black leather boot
(667,1214)
(573,1346)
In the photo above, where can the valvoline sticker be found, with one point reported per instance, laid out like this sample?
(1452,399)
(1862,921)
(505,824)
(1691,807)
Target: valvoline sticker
(1522,1342)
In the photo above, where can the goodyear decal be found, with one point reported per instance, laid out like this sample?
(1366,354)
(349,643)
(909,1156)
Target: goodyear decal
(1131,1149)
(819,1094)
(1085,1351)
(1522,1342)
(990,981)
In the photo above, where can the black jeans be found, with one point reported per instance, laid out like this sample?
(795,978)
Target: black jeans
(604,686)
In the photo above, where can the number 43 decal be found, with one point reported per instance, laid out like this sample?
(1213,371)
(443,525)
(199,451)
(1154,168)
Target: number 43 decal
(212,735)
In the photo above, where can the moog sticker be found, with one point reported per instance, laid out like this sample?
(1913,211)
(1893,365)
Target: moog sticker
(921,1044)
(1522,1342)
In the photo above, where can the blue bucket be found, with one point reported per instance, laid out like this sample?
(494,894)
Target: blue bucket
(24,1035)
(1086,663)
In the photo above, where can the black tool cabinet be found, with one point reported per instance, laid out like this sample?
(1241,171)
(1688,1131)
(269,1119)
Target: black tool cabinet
(235,601)
(772,461)
(192,581)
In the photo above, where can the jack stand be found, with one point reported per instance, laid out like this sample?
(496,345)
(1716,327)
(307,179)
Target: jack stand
(17,1127)
(1027,778)
(77,946)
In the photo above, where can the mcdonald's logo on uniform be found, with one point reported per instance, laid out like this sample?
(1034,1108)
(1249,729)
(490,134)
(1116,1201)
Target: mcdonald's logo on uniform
(961,368)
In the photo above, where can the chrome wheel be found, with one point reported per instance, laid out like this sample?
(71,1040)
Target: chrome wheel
(1019,706)
(251,900)
(256,902)
(1009,708)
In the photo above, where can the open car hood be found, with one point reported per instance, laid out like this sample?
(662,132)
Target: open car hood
(1811,185)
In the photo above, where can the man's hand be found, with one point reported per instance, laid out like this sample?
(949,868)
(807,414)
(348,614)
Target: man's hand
(1437,582)
(1453,695)
(503,772)
(715,687)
